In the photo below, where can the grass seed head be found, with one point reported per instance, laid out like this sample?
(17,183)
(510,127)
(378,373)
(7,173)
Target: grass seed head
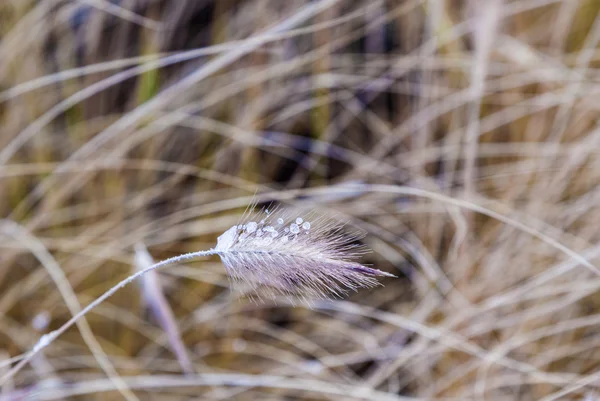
(283,254)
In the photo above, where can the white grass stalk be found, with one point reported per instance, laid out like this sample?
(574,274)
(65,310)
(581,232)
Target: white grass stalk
(47,339)
(38,249)
(278,254)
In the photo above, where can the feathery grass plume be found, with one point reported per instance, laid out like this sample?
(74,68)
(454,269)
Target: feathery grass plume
(277,253)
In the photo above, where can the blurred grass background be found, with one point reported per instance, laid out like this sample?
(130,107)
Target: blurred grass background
(461,136)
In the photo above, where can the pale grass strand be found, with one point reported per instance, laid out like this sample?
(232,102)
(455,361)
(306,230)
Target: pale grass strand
(486,16)
(124,14)
(348,391)
(157,303)
(38,249)
(47,339)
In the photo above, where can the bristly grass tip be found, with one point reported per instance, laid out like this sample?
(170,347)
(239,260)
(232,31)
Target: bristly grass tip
(276,253)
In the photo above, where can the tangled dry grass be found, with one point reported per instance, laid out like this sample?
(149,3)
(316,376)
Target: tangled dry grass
(461,136)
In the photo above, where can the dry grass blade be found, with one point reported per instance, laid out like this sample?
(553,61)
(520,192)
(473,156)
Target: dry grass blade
(159,306)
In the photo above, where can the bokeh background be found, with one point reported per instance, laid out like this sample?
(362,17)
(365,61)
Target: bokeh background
(460,136)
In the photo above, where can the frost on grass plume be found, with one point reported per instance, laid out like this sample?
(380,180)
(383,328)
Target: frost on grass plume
(275,254)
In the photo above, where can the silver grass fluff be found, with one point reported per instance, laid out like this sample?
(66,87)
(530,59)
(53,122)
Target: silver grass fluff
(278,254)
(274,254)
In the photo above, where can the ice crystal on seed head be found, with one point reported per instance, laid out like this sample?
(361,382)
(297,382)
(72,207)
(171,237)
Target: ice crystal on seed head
(251,227)
(227,239)
(319,263)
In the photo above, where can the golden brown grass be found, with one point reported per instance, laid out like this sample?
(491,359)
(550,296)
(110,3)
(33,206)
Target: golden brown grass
(461,136)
